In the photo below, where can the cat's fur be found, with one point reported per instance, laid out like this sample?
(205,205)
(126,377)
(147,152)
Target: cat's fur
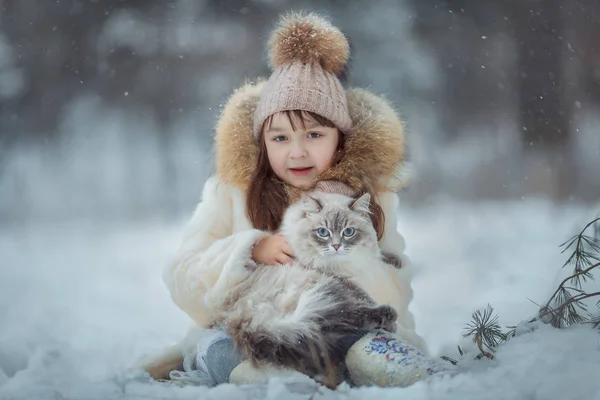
(301,315)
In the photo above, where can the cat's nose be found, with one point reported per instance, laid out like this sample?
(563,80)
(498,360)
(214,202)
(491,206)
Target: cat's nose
(336,246)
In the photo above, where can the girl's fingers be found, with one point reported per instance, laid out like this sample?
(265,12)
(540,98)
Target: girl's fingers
(279,259)
(284,246)
(283,259)
(287,249)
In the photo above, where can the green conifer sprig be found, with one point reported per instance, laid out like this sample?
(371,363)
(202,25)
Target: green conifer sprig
(565,307)
(585,252)
(485,330)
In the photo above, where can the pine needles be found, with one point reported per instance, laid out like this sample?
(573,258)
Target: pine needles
(485,330)
(565,307)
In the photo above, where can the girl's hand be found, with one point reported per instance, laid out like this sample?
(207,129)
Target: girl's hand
(272,250)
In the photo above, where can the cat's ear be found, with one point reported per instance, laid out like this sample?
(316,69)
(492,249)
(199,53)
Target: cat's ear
(310,205)
(362,204)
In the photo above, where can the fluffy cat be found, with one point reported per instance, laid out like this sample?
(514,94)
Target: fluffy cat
(301,315)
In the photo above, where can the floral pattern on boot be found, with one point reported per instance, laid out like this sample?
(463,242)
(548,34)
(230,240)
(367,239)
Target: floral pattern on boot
(385,359)
(398,351)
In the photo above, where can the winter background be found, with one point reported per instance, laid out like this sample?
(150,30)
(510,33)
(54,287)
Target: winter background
(107,109)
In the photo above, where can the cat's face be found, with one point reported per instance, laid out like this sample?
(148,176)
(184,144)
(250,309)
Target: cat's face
(331,226)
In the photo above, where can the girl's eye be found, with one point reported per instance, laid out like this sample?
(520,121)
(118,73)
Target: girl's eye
(314,135)
(279,138)
(323,232)
(348,232)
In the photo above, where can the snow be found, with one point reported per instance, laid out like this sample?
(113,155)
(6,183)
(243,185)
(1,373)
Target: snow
(80,302)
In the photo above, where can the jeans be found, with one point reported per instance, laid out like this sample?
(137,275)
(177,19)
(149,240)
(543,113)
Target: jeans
(221,358)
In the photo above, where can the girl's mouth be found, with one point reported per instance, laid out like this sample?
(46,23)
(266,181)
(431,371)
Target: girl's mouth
(301,171)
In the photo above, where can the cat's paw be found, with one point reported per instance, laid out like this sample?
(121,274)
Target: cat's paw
(384,317)
(391,260)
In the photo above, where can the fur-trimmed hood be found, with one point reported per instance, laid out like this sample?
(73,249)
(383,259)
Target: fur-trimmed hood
(374,150)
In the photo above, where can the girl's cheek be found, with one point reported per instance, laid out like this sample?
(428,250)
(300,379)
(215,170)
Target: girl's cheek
(332,157)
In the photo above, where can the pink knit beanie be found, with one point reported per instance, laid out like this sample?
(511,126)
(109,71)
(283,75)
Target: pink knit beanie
(307,54)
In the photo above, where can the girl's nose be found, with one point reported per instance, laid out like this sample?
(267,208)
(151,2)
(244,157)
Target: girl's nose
(297,151)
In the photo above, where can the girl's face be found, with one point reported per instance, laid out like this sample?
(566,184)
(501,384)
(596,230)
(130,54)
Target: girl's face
(299,156)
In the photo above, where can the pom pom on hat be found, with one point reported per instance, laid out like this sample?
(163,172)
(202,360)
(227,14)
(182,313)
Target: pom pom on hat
(308,38)
(307,55)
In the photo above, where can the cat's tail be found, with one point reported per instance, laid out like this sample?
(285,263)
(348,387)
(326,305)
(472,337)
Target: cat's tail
(312,336)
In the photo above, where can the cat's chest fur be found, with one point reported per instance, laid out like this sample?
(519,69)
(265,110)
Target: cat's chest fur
(285,313)
(355,265)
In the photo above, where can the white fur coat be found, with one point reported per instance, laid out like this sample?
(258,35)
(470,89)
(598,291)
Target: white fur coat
(218,240)
(216,249)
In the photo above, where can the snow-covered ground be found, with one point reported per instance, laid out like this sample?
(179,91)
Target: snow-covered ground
(81,301)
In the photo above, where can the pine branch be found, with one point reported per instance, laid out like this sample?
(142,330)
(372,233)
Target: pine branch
(564,308)
(512,332)
(566,313)
(581,256)
(560,305)
(450,360)
(562,284)
(594,321)
(485,331)
(596,227)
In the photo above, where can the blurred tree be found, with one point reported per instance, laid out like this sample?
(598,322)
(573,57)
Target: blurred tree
(478,67)
(583,25)
(52,41)
(544,112)
(467,37)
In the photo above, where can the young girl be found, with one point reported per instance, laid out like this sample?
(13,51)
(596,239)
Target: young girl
(274,140)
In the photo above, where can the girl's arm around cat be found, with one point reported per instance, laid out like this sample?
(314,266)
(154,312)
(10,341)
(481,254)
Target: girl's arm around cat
(215,252)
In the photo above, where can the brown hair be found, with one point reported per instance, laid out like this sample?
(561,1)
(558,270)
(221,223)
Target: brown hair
(266,197)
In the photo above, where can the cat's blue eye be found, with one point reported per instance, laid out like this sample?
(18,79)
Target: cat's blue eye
(323,232)
(348,232)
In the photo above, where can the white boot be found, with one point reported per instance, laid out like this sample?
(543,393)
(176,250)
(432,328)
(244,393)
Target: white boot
(246,373)
(384,359)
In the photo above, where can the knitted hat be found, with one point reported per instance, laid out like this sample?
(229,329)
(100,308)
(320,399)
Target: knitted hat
(306,54)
